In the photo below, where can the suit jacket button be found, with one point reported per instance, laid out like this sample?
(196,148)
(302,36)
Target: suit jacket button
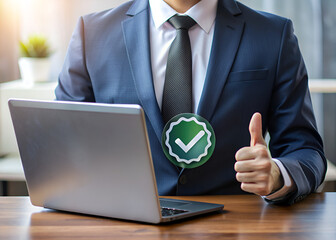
(183,179)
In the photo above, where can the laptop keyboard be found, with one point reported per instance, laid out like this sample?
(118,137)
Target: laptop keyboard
(171,211)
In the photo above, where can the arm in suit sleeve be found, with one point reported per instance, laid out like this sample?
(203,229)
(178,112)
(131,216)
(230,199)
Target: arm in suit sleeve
(74,82)
(292,127)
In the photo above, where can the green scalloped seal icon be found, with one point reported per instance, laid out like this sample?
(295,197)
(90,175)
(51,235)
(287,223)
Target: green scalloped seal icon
(188,140)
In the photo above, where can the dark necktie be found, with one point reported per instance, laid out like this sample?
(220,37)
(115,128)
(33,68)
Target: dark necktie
(177,93)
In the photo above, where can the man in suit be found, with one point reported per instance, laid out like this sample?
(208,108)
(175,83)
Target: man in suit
(248,77)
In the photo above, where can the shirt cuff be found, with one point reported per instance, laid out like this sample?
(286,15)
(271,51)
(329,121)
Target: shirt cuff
(287,187)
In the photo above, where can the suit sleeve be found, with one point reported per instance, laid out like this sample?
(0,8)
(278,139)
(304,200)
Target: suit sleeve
(74,82)
(292,127)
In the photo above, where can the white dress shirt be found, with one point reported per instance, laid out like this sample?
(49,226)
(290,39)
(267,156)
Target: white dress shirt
(201,35)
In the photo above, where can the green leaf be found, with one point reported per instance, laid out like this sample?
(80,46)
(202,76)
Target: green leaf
(36,46)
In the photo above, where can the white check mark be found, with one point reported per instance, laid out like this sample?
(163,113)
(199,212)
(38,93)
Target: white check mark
(186,148)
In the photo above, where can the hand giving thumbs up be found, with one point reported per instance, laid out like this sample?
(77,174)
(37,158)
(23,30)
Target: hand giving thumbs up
(256,170)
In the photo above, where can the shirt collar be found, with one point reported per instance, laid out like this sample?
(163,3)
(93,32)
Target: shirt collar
(204,13)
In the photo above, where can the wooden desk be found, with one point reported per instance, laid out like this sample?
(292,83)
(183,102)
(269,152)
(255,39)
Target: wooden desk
(245,217)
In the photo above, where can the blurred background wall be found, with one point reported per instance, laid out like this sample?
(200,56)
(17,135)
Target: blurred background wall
(314,22)
(55,19)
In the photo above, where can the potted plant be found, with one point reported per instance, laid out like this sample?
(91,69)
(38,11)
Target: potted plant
(34,62)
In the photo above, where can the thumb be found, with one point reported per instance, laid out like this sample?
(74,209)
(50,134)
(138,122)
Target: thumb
(255,129)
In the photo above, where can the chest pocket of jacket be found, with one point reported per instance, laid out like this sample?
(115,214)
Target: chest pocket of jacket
(248,76)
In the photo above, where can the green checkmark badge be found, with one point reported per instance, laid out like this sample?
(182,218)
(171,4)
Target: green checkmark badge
(188,140)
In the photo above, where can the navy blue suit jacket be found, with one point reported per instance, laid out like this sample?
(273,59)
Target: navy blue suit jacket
(255,66)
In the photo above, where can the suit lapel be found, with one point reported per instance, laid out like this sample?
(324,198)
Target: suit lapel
(136,37)
(227,36)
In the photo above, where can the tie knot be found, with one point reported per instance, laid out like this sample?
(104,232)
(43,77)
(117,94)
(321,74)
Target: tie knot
(181,22)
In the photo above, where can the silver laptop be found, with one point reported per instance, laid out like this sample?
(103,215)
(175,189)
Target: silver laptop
(93,159)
